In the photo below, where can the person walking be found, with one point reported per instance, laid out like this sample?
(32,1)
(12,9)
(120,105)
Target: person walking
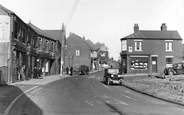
(67,70)
(71,70)
(40,72)
(35,75)
(22,70)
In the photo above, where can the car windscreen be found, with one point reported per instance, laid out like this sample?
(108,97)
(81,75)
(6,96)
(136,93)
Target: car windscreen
(113,71)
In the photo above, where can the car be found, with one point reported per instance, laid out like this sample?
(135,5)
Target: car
(112,76)
(83,70)
(176,69)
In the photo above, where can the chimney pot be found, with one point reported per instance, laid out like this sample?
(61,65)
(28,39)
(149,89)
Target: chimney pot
(163,27)
(136,27)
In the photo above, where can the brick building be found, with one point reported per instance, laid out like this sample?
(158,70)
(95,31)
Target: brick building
(149,51)
(78,52)
(25,45)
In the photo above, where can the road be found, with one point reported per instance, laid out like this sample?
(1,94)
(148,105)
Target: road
(87,95)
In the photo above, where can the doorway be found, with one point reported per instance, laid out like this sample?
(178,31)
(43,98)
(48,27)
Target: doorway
(154,64)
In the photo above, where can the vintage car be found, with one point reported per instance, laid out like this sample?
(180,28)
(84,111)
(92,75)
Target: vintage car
(176,69)
(112,76)
(83,70)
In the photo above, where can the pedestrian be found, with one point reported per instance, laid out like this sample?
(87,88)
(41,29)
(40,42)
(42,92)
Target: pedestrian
(40,72)
(87,70)
(67,70)
(71,70)
(22,72)
(18,71)
(35,75)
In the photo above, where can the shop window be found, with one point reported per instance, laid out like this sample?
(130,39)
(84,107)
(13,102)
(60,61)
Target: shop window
(139,63)
(169,61)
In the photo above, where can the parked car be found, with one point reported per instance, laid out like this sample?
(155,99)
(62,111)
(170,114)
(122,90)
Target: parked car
(176,69)
(83,70)
(112,76)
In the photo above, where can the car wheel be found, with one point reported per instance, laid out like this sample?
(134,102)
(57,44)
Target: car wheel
(171,73)
(121,81)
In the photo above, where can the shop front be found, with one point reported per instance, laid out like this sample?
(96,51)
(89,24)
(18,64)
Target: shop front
(139,64)
(132,64)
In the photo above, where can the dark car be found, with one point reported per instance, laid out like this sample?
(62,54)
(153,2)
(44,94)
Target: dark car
(83,70)
(176,69)
(112,76)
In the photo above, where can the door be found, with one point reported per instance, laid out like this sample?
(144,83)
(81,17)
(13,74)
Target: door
(154,64)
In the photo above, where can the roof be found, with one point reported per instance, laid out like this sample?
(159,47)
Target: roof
(160,35)
(75,39)
(55,33)
(7,11)
(92,45)
(40,32)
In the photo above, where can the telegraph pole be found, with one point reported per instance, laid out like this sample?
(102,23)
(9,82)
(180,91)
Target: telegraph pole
(63,43)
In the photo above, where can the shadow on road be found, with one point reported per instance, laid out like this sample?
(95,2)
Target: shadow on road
(115,109)
(8,93)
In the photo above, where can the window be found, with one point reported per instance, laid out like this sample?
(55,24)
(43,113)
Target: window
(46,45)
(138,45)
(169,45)
(77,52)
(24,36)
(40,43)
(138,63)
(53,47)
(124,45)
(169,61)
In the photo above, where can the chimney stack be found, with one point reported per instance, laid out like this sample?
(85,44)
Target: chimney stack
(163,27)
(136,28)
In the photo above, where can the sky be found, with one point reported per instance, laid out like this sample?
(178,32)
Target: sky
(104,21)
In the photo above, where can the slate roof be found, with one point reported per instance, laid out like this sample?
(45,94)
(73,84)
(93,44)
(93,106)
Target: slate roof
(160,35)
(40,32)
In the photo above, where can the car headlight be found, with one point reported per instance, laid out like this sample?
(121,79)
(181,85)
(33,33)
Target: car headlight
(112,75)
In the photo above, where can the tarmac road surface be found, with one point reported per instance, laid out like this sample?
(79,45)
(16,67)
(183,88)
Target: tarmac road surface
(87,95)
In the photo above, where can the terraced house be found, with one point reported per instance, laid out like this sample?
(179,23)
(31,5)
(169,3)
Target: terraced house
(26,45)
(150,51)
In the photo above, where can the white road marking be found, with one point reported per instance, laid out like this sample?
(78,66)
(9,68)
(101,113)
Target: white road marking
(120,102)
(33,92)
(89,103)
(91,77)
(128,97)
(127,91)
(13,102)
(107,87)
(105,96)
